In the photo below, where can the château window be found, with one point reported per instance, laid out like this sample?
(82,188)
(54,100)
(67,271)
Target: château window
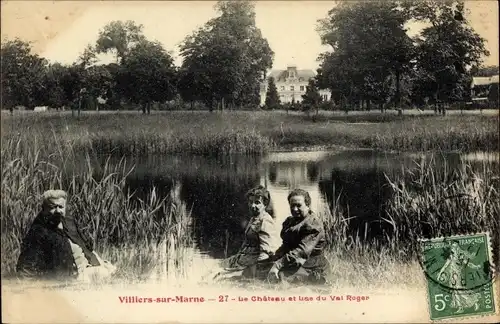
(301,88)
(282,88)
(292,88)
(291,74)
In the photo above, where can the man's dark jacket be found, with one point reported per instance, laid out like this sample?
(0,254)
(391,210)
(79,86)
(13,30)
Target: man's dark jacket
(46,252)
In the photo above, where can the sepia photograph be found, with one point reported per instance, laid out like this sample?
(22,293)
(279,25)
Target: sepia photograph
(250,161)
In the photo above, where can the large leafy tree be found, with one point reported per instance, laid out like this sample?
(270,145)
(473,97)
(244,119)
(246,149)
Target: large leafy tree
(339,73)
(227,56)
(23,74)
(446,50)
(189,85)
(98,82)
(71,81)
(111,89)
(148,75)
(85,81)
(143,74)
(56,82)
(119,37)
(371,50)
(272,98)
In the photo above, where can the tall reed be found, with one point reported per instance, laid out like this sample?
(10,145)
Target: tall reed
(122,227)
(426,202)
(431,203)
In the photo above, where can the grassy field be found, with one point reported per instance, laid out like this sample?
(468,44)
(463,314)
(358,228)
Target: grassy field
(253,132)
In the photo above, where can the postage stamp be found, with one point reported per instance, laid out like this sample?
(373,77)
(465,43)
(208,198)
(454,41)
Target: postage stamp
(460,272)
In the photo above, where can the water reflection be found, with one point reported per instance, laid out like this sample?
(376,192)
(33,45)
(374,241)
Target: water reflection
(220,211)
(214,189)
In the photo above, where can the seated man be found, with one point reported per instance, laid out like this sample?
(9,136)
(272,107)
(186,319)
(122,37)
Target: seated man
(54,247)
(301,256)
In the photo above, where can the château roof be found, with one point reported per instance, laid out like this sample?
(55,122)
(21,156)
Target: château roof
(281,74)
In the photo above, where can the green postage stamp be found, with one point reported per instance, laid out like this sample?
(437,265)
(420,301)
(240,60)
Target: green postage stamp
(460,276)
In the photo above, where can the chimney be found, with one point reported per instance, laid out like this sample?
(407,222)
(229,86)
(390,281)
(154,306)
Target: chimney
(291,71)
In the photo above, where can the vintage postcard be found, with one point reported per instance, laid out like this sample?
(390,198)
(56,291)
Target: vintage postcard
(250,161)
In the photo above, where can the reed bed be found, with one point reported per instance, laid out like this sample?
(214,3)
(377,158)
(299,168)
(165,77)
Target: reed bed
(129,232)
(144,237)
(256,132)
(408,134)
(425,203)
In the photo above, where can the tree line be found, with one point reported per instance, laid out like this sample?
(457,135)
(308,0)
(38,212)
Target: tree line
(372,61)
(223,64)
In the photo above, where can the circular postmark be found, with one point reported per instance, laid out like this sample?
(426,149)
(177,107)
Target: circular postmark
(459,262)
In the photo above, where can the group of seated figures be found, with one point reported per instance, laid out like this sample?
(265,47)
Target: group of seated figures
(299,258)
(54,247)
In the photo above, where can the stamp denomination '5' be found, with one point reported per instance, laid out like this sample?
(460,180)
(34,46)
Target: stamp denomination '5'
(459,275)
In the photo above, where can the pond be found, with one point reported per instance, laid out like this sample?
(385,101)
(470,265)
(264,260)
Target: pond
(214,188)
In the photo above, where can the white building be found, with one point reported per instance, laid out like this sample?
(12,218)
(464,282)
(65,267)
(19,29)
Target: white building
(40,108)
(481,86)
(291,84)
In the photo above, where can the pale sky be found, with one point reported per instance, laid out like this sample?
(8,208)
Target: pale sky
(61,30)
